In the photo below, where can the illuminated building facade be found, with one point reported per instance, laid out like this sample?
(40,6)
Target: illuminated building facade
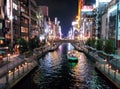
(2,17)
(24,19)
(43,18)
(18,19)
(114,23)
(111,23)
(100,8)
(34,27)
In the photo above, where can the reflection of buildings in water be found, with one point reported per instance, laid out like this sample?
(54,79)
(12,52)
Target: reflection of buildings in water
(70,47)
(81,67)
(36,77)
(51,59)
(55,55)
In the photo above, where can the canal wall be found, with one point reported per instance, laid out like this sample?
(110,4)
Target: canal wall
(18,72)
(21,76)
(102,65)
(109,76)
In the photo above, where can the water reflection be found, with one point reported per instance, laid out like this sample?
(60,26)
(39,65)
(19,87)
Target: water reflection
(56,72)
(72,64)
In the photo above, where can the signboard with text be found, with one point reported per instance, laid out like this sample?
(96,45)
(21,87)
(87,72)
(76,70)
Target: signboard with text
(87,8)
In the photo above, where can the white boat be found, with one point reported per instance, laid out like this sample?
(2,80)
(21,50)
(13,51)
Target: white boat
(71,55)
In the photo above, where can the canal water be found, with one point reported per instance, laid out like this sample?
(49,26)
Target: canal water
(56,72)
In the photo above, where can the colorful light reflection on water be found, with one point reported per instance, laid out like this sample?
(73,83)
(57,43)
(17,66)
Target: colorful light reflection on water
(56,72)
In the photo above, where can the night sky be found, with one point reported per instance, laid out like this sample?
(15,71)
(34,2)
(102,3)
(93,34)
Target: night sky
(64,10)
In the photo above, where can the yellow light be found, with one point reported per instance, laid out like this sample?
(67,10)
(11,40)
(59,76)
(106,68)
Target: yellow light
(1,42)
(9,71)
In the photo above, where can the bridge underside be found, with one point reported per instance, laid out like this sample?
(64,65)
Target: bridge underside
(67,41)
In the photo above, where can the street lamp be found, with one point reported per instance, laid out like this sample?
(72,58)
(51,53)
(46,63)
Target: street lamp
(8,58)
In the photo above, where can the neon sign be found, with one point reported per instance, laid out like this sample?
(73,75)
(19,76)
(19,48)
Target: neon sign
(87,8)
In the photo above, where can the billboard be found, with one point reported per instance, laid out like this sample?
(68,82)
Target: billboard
(87,8)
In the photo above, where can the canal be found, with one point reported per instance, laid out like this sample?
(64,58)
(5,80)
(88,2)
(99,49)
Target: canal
(56,72)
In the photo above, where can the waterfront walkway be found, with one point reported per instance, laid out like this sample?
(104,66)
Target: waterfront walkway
(109,67)
(14,70)
(15,67)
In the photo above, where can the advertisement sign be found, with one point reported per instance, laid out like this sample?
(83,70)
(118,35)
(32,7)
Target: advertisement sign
(87,8)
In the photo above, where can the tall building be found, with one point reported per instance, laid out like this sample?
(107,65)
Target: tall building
(2,21)
(34,29)
(18,19)
(43,18)
(100,7)
(44,10)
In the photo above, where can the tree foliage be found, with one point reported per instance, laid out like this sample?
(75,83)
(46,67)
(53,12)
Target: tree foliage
(23,45)
(91,42)
(34,43)
(99,45)
(109,46)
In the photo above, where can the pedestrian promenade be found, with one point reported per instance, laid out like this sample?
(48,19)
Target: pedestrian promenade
(108,67)
(15,68)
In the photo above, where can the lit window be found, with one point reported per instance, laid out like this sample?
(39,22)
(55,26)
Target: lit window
(1,42)
(22,9)
(14,6)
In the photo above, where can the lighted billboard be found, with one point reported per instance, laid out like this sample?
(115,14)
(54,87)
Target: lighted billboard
(87,8)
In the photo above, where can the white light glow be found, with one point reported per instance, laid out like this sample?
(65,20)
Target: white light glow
(8,8)
(102,1)
(74,23)
(112,9)
(105,0)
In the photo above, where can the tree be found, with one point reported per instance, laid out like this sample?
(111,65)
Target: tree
(23,45)
(99,45)
(109,46)
(91,42)
(34,43)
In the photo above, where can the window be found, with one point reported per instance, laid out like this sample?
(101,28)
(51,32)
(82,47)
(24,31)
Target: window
(15,6)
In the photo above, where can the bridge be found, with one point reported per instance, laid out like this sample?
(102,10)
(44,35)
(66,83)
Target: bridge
(78,42)
(67,41)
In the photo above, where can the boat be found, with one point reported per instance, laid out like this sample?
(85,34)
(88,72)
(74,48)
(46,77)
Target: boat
(71,55)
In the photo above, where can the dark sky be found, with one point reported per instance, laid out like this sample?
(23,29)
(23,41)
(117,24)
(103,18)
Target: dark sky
(65,10)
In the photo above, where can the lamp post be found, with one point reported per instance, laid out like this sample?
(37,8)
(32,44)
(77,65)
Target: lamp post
(7,78)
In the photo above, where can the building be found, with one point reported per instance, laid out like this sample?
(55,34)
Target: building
(18,19)
(43,19)
(113,20)
(100,8)
(2,21)
(111,23)
(34,25)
